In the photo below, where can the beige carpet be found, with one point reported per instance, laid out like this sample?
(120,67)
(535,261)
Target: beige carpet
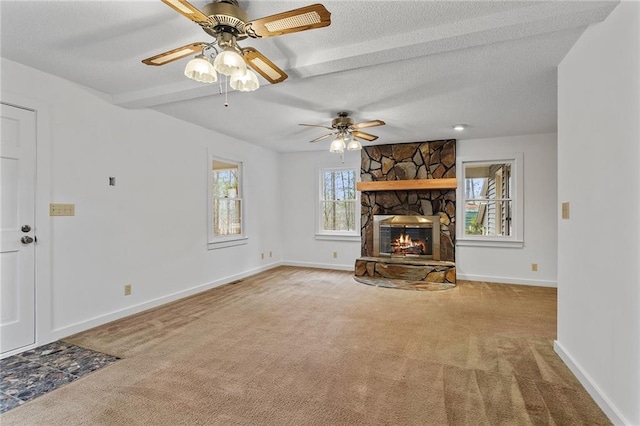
(297,346)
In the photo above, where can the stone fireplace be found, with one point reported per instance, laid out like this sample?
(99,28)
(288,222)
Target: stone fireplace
(408,208)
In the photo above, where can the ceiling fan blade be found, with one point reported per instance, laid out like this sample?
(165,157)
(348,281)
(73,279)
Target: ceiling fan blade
(316,125)
(321,138)
(302,19)
(175,54)
(366,136)
(185,8)
(263,66)
(368,124)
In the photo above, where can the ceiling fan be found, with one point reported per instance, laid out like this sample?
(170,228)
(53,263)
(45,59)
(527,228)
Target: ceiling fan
(347,132)
(228,23)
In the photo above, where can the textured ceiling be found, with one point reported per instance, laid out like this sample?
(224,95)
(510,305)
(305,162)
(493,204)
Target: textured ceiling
(420,66)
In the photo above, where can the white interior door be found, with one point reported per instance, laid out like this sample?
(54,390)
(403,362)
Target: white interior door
(17,216)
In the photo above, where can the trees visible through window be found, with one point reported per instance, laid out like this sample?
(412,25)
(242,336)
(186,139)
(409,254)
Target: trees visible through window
(226,198)
(338,201)
(490,206)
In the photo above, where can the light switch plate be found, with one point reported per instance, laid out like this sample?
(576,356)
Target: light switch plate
(565,210)
(56,209)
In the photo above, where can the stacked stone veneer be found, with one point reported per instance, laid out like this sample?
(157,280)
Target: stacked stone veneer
(407,161)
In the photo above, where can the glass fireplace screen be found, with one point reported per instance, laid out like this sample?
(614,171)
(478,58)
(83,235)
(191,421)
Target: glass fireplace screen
(402,240)
(406,236)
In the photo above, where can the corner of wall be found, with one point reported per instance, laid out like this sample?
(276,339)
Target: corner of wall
(590,386)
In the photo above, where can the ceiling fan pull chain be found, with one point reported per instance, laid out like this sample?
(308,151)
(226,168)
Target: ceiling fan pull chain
(226,90)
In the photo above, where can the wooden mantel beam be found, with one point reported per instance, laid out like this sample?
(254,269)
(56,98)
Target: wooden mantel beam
(407,185)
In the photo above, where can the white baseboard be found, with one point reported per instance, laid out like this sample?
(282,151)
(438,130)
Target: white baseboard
(319,265)
(504,280)
(596,393)
(69,330)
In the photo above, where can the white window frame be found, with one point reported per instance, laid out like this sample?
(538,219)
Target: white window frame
(214,242)
(516,239)
(322,234)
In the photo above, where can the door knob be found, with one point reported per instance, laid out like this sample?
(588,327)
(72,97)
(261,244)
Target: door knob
(26,240)
(26,228)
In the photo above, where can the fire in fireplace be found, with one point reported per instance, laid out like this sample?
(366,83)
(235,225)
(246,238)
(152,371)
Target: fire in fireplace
(404,245)
(406,236)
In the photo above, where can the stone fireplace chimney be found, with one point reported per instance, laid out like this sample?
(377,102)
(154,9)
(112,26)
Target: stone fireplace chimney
(408,215)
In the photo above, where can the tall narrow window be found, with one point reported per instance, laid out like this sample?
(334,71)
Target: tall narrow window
(226,215)
(338,202)
(490,200)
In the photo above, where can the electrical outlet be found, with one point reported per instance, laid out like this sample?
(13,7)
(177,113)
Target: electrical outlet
(335,254)
(534,267)
(262,256)
(127,289)
(270,254)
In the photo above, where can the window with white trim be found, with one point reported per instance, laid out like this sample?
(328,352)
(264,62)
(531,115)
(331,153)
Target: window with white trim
(225,203)
(338,203)
(490,207)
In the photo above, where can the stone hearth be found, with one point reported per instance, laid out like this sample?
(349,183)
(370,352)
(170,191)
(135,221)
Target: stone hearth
(405,273)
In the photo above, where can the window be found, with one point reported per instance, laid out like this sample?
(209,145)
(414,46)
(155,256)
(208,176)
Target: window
(487,199)
(338,205)
(225,203)
(490,200)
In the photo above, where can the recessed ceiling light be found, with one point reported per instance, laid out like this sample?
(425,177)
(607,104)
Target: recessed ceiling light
(460,127)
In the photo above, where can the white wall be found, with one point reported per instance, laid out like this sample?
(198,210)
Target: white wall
(299,188)
(150,230)
(513,265)
(508,265)
(599,246)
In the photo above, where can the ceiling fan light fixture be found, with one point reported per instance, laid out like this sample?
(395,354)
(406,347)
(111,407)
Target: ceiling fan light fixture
(337,146)
(227,22)
(248,82)
(354,145)
(201,70)
(348,134)
(229,62)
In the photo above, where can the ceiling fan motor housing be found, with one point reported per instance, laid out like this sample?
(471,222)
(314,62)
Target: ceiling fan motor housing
(226,17)
(342,122)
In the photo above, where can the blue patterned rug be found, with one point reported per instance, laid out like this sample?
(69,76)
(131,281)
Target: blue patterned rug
(33,373)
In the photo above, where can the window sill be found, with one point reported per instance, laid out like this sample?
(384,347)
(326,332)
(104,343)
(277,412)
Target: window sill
(464,242)
(338,237)
(230,242)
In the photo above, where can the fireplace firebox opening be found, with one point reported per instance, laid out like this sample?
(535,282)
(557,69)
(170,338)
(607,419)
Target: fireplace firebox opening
(406,236)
